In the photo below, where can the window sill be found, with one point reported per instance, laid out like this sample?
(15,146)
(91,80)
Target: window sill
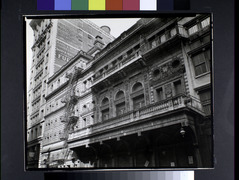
(204,74)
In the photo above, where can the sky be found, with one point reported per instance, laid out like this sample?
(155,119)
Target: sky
(117,26)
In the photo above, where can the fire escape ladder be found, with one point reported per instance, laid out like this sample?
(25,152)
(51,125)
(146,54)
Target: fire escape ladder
(70,104)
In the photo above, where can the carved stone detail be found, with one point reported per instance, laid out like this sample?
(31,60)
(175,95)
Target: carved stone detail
(166,71)
(168,90)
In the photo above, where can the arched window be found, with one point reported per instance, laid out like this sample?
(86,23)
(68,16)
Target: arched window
(120,103)
(138,86)
(138,96)
(119,95)
(105,109)
(105,101)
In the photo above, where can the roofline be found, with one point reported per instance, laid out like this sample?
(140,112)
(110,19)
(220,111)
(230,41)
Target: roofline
(70,62)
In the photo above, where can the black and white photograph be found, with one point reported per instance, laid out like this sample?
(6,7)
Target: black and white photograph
(119,93)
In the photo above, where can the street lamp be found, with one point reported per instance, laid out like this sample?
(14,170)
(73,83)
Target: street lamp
(182,131)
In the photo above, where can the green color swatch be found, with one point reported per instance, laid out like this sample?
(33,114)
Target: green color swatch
(79,4)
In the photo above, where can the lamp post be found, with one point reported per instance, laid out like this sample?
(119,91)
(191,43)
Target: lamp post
(182,131)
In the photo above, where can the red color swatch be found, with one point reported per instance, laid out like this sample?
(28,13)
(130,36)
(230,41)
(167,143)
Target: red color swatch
(131,4)
(114,5)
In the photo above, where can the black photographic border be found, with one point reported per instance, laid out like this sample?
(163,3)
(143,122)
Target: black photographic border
(12,88)
(133,15)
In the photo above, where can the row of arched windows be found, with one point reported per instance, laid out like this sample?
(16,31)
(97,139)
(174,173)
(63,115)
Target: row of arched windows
(137,97)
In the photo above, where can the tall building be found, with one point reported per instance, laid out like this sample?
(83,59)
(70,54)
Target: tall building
(143,100)
(56,41)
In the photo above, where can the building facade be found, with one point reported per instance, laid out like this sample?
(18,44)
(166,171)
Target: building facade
(56,41)
(141,101)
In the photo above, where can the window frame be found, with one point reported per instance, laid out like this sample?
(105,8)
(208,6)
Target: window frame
(206,61)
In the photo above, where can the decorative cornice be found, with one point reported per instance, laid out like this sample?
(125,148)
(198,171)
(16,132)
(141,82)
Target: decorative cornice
(69,63)
(56,90)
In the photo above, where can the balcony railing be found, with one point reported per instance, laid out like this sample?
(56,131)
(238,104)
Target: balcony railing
(122,64)
(150,111)
(161,40)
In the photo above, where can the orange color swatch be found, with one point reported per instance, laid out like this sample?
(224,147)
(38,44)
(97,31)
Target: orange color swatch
(114,4)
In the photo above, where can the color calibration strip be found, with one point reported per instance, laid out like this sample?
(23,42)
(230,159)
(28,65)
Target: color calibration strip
(120,5)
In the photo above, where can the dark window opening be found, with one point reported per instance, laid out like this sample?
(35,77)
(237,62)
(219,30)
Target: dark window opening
(105,114)
(178,87)
(138,101)
(156,72)
(205,97)
(120,108)
(202,62)
(159,93)
(138,86)
(119,95)
(105,101)
(175,63)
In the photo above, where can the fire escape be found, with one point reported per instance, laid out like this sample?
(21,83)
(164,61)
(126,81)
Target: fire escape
(70,117)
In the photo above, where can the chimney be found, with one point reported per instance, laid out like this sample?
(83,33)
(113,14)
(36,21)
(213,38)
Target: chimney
(99,42)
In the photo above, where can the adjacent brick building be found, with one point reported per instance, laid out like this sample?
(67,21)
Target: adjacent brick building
(56,41)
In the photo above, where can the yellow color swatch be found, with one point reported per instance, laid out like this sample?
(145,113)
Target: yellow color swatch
(97,4)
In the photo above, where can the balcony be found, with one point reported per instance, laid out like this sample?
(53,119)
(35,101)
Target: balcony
(117,68)
(152,111)
(163,40)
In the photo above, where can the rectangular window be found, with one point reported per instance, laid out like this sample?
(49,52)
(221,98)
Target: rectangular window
(105,114)
(84,122)
(138,102)
(178,87)
(120,108)
(205,22)
(163,38)
(153,44)
(159,93)
(202,62)
(205,97)
(193,29)
(173,32)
